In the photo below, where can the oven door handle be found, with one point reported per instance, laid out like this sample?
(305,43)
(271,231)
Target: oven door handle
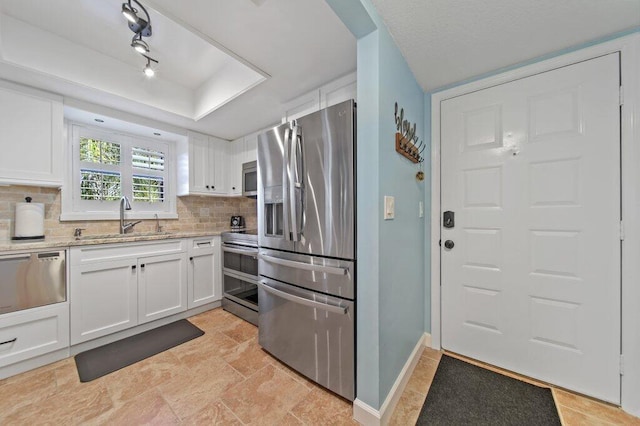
(250,252)
(343,310)
(306,266)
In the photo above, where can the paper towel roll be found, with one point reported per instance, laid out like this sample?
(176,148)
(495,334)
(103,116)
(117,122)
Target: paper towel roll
(29,220)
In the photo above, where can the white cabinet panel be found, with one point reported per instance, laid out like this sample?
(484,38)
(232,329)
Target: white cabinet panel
(33,332)
(162,286)
(31,137)
(302,106)
(199,173)
(103,298)
(204,271)
(251,147)
(339,90)
(218,151)
(234,171)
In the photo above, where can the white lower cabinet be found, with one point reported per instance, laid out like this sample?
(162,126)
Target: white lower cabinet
(104,298)
(162,286)
(33,332)
(114,287)
(205,278)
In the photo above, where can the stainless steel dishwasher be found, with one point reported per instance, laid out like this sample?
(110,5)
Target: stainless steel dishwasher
(32,279)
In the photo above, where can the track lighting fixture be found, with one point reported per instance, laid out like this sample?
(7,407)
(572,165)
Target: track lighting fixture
(148,71)
(142,28)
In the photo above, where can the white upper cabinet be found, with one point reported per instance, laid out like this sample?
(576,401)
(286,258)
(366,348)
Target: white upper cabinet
(31,136)
(202,165)
(234,172)
(251,147)
(339,90)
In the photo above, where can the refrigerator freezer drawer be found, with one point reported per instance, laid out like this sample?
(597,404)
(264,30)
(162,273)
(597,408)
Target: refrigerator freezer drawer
(332,276)
(310,332)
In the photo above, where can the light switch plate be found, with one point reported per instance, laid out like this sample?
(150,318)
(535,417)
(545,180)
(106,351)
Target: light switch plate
(389,207)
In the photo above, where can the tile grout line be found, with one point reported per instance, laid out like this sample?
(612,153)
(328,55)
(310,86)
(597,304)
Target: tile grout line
(232,412)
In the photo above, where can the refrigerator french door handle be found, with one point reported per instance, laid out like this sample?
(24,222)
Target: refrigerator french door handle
(293,168)
(303,301)
(334,270)
(286,202)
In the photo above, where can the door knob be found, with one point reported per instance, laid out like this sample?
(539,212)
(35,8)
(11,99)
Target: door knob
(449,244)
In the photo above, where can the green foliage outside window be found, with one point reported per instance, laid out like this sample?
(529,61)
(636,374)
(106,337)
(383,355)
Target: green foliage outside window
(147,188)
(97,151)
(98,185)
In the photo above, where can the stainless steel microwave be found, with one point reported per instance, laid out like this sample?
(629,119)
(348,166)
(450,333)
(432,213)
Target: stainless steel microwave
(250,179)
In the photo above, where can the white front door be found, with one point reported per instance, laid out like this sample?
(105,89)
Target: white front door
(531,170)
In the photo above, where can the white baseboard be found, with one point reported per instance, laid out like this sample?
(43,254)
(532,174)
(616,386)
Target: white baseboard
(369,416)
(365,414)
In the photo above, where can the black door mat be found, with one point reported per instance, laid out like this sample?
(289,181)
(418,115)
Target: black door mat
(464,394)
(106,359)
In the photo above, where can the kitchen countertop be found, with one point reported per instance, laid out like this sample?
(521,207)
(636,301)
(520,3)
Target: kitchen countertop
(85,240)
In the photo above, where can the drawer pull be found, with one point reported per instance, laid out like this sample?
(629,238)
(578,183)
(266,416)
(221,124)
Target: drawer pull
(9,341)
(205,244)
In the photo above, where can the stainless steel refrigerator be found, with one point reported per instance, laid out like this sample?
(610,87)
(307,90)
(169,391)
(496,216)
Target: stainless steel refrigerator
(306,234)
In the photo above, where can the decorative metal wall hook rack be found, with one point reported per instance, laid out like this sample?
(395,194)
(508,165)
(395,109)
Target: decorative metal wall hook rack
(407,143)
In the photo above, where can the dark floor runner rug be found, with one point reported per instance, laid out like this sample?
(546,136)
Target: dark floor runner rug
(106,359)
(463,394)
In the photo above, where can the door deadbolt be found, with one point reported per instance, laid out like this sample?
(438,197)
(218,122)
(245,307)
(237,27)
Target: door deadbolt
(449,244)
(448,219)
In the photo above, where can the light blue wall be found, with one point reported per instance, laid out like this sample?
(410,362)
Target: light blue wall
(368,235)
(401,254)
(391,254)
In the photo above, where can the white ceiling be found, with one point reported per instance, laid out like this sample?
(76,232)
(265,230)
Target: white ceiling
(80,49)
(298,44)
(447,41)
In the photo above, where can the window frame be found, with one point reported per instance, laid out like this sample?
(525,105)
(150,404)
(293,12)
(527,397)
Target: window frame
(74,208)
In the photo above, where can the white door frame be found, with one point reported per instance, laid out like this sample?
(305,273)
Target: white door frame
(629,46)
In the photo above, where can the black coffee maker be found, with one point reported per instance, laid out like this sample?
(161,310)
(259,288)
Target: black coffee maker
(237,222)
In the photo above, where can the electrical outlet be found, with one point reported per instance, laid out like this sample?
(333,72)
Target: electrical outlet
(389,207)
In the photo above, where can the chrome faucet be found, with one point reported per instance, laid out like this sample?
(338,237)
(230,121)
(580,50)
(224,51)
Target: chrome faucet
(125,205)
(158,227)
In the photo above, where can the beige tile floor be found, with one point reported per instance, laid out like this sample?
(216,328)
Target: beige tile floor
(222,377)
(573,409)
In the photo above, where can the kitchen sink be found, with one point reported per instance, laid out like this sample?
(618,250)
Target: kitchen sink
(114,236)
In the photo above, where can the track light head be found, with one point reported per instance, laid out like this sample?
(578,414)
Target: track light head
(136,24)
(148,71)
(129,12)
(139,45)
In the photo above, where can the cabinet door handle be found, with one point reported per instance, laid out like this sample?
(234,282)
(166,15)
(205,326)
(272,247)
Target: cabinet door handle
(191,259)
(142,266)
(207,186)
(9,341)
(133,267)
(213,187)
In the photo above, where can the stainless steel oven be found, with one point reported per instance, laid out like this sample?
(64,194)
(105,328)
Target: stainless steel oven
(240,274)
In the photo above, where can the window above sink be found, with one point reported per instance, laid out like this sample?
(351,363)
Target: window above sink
(106,165)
